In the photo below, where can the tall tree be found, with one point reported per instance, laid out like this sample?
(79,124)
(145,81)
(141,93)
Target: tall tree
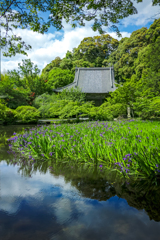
(27,70)
(16,95)
(24,14)
(27,78)
(96,49)
(149,56)
(54,64)
(124,57)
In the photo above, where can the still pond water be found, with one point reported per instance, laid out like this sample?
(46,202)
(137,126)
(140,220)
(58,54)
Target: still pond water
(69,203)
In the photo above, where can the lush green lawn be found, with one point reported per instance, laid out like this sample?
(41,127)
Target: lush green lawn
(130,147)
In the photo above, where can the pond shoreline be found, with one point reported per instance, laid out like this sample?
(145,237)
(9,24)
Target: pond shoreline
(75,120)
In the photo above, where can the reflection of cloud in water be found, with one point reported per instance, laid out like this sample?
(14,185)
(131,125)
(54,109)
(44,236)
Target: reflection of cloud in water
(10,205)
(14,186)
(48,208)
(62,210)
(108,221)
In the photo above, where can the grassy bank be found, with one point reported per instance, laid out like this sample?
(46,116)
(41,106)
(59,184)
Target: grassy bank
(129,147)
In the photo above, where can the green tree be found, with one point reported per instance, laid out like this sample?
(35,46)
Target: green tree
(54,64)
(7,115)
(27,114)
(17,95)
(20,91)
(139,51)
(125,94)
(44,102)
(81,63)
(69,55)
(66,64)
(27,69)
(13,74)
(96,49)
(149,56)
(16,12)
(44,99)
(72,108)
(27,76)
(56,107)
(124,57)
(25,73)
(139,94)
(58,78)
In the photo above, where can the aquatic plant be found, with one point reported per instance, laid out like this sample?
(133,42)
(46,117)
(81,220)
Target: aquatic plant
(129,147)
(3,138)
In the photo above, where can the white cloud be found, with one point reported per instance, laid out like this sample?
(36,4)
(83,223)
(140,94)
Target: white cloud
(145,13)
(21,187)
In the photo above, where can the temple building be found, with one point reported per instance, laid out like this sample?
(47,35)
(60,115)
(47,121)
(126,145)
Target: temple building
(96,82)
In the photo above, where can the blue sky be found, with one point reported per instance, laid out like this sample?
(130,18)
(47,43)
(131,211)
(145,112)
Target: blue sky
(46,47)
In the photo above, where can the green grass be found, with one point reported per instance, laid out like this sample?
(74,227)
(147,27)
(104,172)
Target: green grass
(129,147)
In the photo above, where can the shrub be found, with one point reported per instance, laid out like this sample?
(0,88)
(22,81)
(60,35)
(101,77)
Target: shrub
(27,114)
(44,99)
(7,115)
(44,102)
(70,109)
(56,108)
(97,113)
(104,112)
(113,109)
(147,108)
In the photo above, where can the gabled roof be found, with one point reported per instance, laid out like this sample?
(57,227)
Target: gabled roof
(92,80)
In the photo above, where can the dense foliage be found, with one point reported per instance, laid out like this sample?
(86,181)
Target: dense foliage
(43,103)
(52,105)
(22,86)
(7,115)
(27,114)
(58,78)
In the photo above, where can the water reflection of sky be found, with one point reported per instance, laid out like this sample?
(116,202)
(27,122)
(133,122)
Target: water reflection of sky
(45,207)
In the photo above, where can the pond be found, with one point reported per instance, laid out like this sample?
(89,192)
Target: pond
(66,202)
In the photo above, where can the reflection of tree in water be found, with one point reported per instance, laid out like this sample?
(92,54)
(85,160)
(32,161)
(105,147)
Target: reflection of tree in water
(99,184)
(98,189)
(142,195)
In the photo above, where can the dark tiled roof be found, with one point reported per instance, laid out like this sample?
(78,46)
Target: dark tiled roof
(93,80)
